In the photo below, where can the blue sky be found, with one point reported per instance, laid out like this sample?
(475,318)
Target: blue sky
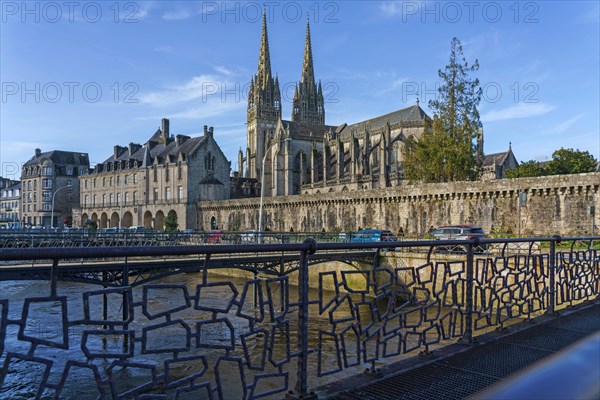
(85,76)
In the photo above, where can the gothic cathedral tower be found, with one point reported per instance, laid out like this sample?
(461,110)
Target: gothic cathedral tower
(309,106)
(264,108)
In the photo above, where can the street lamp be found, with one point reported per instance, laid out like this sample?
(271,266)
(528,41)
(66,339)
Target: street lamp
(122,200)
(262,187)
(53,196)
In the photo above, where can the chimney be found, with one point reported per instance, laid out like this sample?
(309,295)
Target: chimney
(210,131)
(165,128)
(205,130)
(133,147)
(180,139)
(38,152)
(118,150)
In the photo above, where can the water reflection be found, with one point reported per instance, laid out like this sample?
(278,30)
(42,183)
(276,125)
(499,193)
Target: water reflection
(188,338)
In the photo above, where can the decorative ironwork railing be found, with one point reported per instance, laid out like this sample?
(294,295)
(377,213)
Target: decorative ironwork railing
(215,339)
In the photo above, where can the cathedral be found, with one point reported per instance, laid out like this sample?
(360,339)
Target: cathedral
(304,155)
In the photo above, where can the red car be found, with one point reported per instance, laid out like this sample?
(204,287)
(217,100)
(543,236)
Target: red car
(214,237)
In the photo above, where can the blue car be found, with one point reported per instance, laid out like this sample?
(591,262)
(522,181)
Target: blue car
(374,235)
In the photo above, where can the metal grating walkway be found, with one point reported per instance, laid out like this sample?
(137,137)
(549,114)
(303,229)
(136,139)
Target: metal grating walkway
(466,373)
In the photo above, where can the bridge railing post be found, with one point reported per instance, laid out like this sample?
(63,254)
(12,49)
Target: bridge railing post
(301,389)
(468,335)
(552,275)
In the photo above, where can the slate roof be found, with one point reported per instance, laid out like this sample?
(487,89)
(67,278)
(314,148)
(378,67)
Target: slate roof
(304,130)
(158,148)
(60,157)
(210,180)
(495,159)
(410,114)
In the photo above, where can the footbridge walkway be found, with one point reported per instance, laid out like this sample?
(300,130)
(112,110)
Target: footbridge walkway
(300,338)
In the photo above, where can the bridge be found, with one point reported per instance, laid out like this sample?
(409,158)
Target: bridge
(285,340)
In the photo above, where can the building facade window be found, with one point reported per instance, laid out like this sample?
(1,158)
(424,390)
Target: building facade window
(180,193)
(155,195)
(95,200)
(167,172)
(168,193)
(47,171)
(134,199)
(126,198)
(110,200)
(47,207)
(118,199)
(103,200)
(46,195)
(85,200)
(69,171)
(47,183)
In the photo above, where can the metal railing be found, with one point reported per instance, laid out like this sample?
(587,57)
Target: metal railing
(268,331)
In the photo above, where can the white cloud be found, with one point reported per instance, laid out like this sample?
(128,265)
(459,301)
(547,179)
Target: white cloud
(521,110)
(176,15)
(566,125)
(223,70)
(391,8)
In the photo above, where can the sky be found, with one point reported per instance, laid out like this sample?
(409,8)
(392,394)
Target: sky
(87,75)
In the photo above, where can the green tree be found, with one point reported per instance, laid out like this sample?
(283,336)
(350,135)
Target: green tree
(447,151)
(91,225)
(569,161)
(529,168)
(171,222)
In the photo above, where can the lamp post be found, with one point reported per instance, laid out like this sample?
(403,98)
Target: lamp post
(53,196)
(122,200)
(262,188)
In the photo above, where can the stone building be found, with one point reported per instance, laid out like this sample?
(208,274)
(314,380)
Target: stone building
(495,165)
(10,204)
(140,185)
(304,155)
(51,178)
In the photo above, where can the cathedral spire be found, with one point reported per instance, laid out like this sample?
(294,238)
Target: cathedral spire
(264,58)
(308,104)
(308,73)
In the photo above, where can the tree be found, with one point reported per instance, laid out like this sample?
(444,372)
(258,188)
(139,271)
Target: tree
(569,161)
(171,222)
(564,161)
(91,225)
(529,168)
(447,151)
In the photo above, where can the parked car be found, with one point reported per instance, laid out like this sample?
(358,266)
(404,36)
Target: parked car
(249,236)
(214,236)
(460,232)
(374,235)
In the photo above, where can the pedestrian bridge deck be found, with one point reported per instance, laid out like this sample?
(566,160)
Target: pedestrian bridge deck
(464,370)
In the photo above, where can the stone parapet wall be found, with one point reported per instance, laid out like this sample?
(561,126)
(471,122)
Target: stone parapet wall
(549,205)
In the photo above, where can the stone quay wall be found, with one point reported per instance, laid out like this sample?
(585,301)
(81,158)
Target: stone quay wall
(527,206)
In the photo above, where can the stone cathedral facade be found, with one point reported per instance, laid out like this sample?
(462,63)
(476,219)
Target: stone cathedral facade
(304,155)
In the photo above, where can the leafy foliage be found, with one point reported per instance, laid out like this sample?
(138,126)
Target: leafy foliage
(91,225)
(564,161)
(529,168)
(569,161)
(171,222)
(447,151)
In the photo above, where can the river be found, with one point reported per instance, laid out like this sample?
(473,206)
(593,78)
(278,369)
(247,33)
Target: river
(181,327)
